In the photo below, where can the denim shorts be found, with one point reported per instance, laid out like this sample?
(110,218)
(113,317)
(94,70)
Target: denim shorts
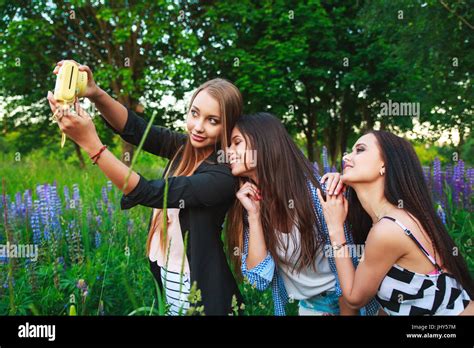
(326,303)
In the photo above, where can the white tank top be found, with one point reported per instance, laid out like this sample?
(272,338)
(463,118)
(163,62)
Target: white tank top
(176,248)
(307,283)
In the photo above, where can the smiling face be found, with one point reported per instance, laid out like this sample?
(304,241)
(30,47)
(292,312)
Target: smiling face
(242,159)
(204,121)
(365,161)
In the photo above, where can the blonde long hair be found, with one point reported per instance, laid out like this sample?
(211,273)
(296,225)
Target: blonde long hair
(230,104)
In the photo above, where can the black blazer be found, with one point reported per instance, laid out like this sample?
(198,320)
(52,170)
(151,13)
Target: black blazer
(207,195)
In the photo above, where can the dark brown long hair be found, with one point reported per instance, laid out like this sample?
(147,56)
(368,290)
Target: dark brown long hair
(283,173)
(230,103)
(405,182)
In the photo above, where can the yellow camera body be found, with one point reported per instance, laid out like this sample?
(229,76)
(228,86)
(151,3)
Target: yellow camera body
(70,83)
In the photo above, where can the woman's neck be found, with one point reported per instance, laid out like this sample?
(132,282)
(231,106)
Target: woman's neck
(252,175)
(204,153)
(371,197)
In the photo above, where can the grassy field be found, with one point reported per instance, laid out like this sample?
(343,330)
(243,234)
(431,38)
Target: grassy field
(92,254)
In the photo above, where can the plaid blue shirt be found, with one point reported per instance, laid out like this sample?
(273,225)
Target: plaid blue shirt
(266,272)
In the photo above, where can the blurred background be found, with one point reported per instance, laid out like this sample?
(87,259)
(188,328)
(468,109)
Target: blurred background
(328,69)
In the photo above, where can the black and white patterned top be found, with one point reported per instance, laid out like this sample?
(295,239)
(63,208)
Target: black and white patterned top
(177,287)
(403,292)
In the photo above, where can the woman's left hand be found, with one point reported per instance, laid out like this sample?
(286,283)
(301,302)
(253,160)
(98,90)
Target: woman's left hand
(335,210)
(334,183)
(77,125)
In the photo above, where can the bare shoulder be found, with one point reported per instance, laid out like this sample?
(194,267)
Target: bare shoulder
(385,231)
(383,249)
(386,236)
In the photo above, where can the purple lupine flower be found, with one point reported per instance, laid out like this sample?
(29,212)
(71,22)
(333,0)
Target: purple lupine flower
(441,213)
(4,259)
(12,210)
(325,160)
(469,187)
(97,239)
(62,262)
(98,220)
(46,233)
(426,174)
(462,182)
(110,210)
(105,199)
(76,196)
(29,200)
(66,196)
(70,229)
(437,179)
(458,181)
(56,201)
(35,226)
(18,204)
(6,284)
(109,185)
(449,174)
(47,194)
(75,192)
(41,190)
(55,226)
(99,206)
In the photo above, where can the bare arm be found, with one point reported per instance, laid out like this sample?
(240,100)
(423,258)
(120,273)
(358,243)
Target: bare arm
(345,309)
(381,251)
(257,247)
(114,169)
(249,196)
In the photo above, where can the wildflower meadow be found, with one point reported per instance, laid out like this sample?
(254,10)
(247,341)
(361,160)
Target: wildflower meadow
(90,257)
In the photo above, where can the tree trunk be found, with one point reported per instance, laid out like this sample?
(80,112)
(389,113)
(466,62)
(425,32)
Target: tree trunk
(79,156)
(310,145)
(343,133)
(462,138)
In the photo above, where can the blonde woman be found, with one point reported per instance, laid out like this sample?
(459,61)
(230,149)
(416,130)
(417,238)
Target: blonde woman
(200,189)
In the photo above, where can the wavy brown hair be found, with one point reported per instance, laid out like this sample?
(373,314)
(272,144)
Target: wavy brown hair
(404,180)
(230,103)
(283,173)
